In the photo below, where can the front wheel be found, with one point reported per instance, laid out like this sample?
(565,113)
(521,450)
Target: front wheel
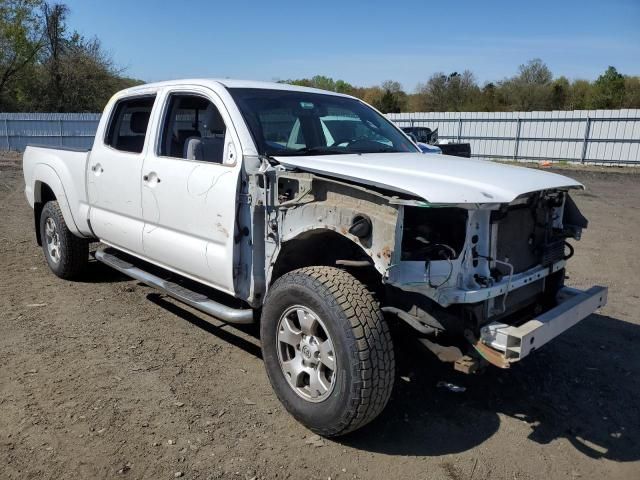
(327,349)
(66,254)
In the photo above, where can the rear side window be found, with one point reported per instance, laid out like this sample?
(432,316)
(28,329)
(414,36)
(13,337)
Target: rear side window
(129,124)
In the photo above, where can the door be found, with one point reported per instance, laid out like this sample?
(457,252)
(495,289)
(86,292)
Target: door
(114,174)
(189,189)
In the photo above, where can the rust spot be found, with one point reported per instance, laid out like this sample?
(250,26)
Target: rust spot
(386,251)
(489,354)
(221,229)
(343,230)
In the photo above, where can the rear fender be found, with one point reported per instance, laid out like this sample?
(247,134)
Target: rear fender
(45,175)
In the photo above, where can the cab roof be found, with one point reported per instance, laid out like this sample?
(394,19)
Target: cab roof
(232,83)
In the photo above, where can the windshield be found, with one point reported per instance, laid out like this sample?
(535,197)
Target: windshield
(285,122)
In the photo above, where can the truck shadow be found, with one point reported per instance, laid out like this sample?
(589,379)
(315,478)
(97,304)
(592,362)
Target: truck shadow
(583,387)
(219,330)
(98,272)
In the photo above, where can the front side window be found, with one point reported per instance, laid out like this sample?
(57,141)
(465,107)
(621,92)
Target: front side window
(285,122)
(128,124)
(193,129)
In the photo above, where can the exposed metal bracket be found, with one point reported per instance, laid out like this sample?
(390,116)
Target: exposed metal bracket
(449,354)
(244,199)
(502,344)
(411,320)
(515,343)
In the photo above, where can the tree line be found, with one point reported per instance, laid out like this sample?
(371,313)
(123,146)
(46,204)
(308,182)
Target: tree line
(533,87)
(46,66)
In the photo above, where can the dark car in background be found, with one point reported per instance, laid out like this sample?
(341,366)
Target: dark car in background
(430,137)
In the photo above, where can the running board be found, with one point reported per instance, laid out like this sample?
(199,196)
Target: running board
(109,256)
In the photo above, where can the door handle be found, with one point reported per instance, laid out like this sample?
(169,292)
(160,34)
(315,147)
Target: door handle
(97,168)
(151,177)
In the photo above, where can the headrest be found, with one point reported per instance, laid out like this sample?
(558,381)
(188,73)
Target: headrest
(212,120)
(139,122)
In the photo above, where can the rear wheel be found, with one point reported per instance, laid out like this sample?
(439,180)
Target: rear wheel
(327,349)
(66,254)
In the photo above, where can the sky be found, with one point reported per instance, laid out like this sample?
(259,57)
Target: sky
(363,42)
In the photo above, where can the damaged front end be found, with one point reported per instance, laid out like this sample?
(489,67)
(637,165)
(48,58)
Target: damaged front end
(493,272)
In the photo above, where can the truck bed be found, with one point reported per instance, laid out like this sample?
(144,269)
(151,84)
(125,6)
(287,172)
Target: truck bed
(63,169)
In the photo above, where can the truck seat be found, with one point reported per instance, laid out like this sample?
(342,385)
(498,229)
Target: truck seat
(179,140)
(209,147)
(138,126)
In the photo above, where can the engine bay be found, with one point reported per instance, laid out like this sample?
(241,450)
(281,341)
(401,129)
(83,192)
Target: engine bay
(493,259)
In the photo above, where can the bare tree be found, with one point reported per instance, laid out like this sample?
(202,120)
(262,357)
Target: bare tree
(55,17)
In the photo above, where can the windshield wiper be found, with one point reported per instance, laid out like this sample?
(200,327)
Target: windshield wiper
(311,151)
(376,150)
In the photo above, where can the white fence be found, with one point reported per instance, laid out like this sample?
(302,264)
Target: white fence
(585,136)
(17,130)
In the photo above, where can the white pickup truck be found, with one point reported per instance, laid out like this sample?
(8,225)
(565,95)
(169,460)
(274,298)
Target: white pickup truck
(312,214)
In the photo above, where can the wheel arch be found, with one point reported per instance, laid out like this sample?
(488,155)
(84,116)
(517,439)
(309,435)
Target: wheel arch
(324,246)
(47,186)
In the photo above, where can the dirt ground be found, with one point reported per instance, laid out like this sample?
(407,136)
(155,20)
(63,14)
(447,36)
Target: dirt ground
(104,378)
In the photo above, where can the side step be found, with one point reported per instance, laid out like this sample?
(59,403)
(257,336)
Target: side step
(110,257)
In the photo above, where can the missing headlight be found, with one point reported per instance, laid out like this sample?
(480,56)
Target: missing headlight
(433,233)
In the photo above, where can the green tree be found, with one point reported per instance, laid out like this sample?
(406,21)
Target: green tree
(579,97)
(396,97)
(463,91)
(88,76)
(488,98)
(44,67)
(343,87)
(631,92)
(21,40)
(388,103)
(559,93)
(74,73)
(608,90)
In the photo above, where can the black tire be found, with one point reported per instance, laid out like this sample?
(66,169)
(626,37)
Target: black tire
(362,344)
(73,255)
